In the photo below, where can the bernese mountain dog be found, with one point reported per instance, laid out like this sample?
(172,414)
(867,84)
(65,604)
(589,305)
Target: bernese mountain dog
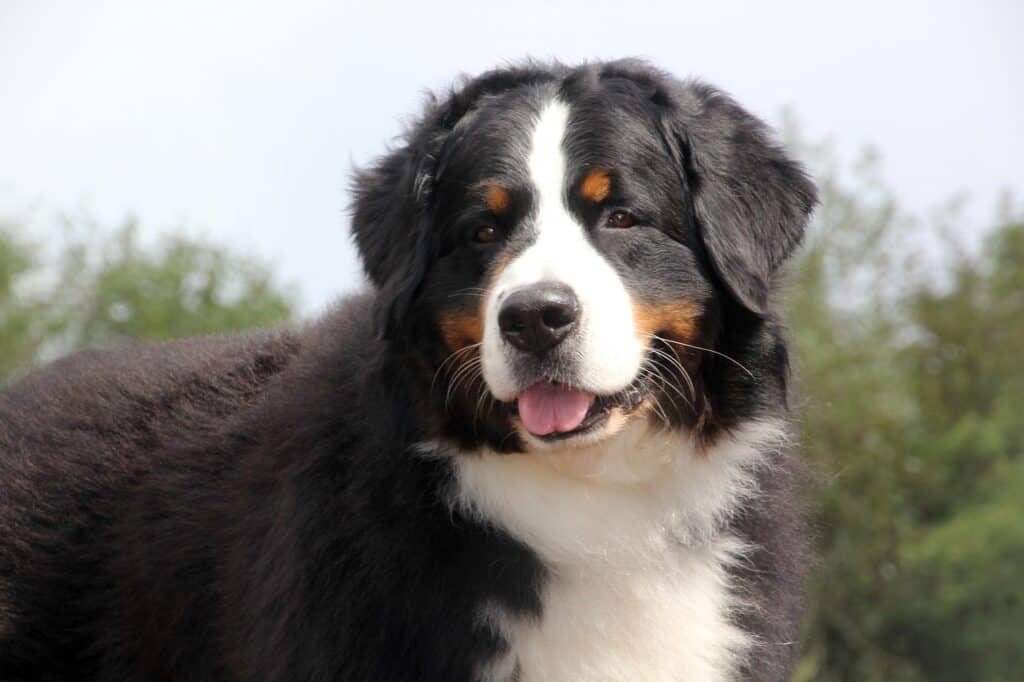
(549,442)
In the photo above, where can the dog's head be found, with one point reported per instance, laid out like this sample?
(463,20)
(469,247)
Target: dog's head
(567,250)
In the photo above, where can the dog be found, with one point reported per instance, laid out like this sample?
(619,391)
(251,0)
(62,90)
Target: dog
(550,441)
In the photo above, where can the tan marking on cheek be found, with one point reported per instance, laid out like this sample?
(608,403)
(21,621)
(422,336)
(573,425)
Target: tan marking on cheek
(498,199)
(674,320)
(460,330)
(596,186)
(465,328)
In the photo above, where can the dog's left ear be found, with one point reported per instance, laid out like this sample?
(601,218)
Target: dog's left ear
(752,202)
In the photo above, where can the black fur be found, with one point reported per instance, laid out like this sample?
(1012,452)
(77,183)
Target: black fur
(238,509)
(260,508)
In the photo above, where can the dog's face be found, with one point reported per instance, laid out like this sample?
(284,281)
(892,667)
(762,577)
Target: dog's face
(567,263)
(571,251)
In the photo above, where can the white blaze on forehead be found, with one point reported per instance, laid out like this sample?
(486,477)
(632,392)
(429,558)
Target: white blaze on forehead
(605,341)
(547,159)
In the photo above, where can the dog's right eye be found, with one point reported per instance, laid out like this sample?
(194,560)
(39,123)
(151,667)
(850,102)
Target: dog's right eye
(485,235)
(621,220)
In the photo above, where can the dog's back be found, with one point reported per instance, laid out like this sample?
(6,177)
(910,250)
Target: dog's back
(76,440)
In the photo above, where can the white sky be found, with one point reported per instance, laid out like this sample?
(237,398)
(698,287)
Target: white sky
(243,119)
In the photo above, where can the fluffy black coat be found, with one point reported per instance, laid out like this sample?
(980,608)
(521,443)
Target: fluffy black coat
(238,508)
(259,507)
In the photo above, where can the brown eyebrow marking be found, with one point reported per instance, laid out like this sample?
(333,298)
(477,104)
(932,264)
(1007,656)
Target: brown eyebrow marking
(597,185)
(498,199)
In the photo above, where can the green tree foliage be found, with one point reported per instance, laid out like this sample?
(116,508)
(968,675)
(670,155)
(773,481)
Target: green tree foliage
(24,320)
(912,413)
(97,288)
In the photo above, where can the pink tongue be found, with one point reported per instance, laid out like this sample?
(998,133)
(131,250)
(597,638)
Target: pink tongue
(548,408)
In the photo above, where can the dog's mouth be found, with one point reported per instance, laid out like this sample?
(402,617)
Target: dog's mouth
(553,411)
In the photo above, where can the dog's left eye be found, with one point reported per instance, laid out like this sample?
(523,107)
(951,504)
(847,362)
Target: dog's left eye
(621,219)
(485,235)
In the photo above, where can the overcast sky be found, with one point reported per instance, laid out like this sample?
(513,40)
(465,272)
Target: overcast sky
(243,119)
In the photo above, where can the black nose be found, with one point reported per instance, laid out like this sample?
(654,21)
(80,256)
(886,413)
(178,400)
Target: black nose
(538,317)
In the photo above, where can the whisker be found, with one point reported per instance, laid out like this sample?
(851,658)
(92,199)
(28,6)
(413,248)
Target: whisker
(469,291)
(666,384)
(463,372)
(682,371)
(472,371)
(661,411)
(708,350)
(451,357)
(468,378)
(671,387)
(476,409)
(657,407)
(457,353)
(485,399)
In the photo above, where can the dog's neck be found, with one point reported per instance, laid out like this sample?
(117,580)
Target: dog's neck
(623,498)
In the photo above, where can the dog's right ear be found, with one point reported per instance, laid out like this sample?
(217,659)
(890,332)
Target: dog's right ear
(390,226)
(752,201)
(392,207)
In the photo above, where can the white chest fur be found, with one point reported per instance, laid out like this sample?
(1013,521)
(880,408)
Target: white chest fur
(630,531)
(606,622)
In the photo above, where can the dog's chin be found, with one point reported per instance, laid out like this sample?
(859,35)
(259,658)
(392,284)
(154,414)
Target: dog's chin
(606,416)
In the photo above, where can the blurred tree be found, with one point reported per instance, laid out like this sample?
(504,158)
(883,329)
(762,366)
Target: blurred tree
(103,288)
(24,320)
(912,397)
